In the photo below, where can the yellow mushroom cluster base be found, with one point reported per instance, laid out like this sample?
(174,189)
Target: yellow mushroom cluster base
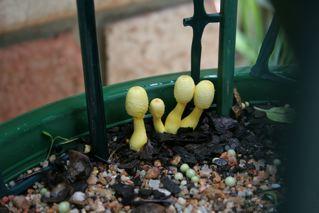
(136,105)
(183,92)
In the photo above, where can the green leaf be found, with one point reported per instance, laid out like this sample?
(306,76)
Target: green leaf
(279,114)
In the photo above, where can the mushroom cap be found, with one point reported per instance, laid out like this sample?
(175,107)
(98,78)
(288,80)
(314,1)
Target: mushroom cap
(157,107)
(204,94)
(184,89)
(136,102)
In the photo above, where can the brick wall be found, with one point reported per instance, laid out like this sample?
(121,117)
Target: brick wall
(40,60)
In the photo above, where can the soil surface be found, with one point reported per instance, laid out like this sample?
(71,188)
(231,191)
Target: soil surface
(236,164)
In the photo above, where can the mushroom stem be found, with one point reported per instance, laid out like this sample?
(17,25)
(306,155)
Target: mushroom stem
(139,137)
(157,109)
(136,105)
(173,120)
(192,119)
(158,124)
(203,99)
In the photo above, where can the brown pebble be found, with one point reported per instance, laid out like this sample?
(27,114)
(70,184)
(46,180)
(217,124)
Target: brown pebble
(115,206)
(212,193)
(216,178)
(157,163)
(176,160)
(92,180)
(152,173)
(21,202)
(149,208)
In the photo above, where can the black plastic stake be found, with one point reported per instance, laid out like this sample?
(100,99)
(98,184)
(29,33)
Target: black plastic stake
(198,22)
(92,78)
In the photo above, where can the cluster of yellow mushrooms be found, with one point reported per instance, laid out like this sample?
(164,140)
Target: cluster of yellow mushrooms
(184,91)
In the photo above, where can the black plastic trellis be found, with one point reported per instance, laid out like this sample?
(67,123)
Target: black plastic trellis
(226,53)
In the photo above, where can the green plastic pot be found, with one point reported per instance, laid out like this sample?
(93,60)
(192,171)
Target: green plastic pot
(23,146)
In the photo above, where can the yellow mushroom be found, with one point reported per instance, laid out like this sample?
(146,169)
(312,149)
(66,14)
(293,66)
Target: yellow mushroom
(183,93)
(157,109)
(136,105)
(203,99)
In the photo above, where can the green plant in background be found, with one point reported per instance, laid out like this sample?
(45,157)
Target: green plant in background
(254,17)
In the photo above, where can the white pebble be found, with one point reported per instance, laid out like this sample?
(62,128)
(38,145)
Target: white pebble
(78,197)
(64,207)
(52,158)
(181,201)
(230,181)
(178,176)
(195,179)
(164,191)
(184,167)
(43,191)
(87,148)
(183,182)
(190,173)
(275,186)
(154,184)
(231,152)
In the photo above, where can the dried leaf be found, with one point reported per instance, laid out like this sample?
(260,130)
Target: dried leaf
(279,114)
(237,97)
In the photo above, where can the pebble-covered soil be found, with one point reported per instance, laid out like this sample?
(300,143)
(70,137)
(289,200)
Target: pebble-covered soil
(225,165)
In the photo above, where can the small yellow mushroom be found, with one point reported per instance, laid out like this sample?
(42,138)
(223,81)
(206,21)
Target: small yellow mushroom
(157,109)
(183,93)
(136,105)
(203,99)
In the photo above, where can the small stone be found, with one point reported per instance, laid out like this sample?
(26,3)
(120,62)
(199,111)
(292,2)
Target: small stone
(193,191)
(190,173)
(92,180)
(45,164)
(99,206)
(275,186)
(181,201)
(154,184)
(231,152)
(43,191)
(158,195)
(164,191)
(216,178)
(183,182)
(145,193)
(64,207)
(157,163)
(21,202)
(150,208)
(205,172)
(152,173)
(178,176)
(176,159)
(52,158)
(272,170)
(87,148)
(220,161)
(29,172)
(230,181)
(184,167)
(74,211)
(170,185)
(195,179)
(78,197)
